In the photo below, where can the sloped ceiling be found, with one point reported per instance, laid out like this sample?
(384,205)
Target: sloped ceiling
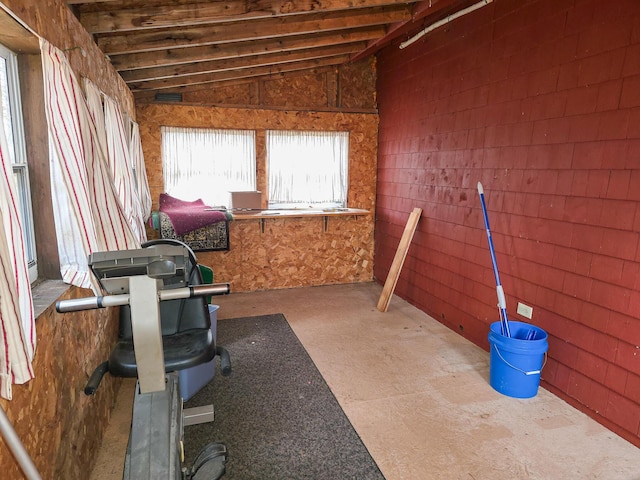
(177,45)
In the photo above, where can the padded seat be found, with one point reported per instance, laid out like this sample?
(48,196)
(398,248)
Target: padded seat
(187,340)
(181,350)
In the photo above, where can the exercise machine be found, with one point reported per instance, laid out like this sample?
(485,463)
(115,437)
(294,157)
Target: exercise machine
(164,328)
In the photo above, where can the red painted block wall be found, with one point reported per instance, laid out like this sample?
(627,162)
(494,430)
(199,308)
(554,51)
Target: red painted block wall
(540,101)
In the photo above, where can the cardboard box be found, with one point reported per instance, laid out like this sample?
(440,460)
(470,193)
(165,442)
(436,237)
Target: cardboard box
(246,200)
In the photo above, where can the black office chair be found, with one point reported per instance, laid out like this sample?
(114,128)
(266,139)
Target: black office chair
(187,339)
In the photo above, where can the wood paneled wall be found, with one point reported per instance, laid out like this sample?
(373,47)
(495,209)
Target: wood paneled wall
(52,20)
(539,100)
(60,427)
(290,252)
(349,87)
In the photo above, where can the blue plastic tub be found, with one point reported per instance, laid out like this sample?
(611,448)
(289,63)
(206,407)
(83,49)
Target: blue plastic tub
(515,362)
(193,379)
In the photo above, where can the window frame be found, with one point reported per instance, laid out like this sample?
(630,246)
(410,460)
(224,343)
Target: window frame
(251,158)
(19,158)
(342,165)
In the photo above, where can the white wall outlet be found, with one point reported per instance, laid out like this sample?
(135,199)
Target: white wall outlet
(525,310)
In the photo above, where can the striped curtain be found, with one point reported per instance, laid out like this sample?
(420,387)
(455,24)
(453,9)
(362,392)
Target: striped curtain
(17,320)
(88,214)
(137,160)
(112,134)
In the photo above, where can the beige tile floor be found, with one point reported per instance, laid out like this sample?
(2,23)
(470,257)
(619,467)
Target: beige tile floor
(418,394)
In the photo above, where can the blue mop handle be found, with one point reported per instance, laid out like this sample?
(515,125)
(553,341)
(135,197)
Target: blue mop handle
(502,302)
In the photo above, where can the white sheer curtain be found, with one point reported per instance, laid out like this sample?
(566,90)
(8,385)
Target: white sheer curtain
(17,321)
(88,214)
(307,168)
(207,163)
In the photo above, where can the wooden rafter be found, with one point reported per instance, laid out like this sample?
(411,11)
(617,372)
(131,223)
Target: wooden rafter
(198,68)
(253,29)
(177,44)
(185,15)
(178,56)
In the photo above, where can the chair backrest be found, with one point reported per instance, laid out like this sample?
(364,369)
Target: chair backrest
(175,315)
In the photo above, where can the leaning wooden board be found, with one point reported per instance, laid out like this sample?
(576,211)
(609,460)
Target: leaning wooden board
(398,260)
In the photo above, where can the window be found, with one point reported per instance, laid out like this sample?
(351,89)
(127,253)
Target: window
(14,131)
(307,169)
(208,163)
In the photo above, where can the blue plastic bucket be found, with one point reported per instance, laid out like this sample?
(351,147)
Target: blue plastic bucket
(515,362)
(193,379)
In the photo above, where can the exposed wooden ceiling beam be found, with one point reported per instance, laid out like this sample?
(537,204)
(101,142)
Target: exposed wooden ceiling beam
(183,15)
(251,30)
(164,16)
(76,2)
(170,44)
(148,74)
(236,74)
(179,56)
